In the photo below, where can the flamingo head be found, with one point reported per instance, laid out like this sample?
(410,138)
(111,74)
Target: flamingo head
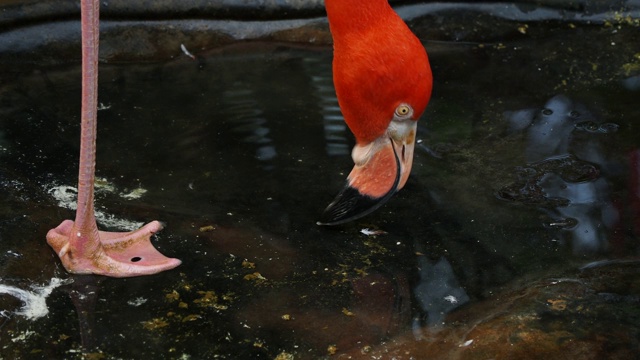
(383,83)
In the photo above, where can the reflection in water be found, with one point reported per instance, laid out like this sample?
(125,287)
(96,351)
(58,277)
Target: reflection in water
(438,291)
(634,189)
(335,129)
(632,83)
(84,295)
(248,119)
(567,177)
(549,130)
(261,279)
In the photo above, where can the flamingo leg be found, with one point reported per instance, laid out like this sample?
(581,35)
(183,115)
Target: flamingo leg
(82,248)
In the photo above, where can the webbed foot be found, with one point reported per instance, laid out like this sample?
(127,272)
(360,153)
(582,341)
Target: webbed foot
(115,254)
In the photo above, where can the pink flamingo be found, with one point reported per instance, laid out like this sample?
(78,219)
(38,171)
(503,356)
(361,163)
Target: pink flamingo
(383,83)
(82,248)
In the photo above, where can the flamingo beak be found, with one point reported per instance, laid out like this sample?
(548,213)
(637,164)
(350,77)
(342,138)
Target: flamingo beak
(382,167)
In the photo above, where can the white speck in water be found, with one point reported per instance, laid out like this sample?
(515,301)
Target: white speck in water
(137,301)
(23,336)
(103,185)
(452,299)
(186,52)
(370,232)
(466,343)
(134,194)
(65,195)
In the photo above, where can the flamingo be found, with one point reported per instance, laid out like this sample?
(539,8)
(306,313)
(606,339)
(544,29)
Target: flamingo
(81,247)
(383,83)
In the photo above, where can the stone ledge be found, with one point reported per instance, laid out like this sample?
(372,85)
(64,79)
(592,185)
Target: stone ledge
(49,31)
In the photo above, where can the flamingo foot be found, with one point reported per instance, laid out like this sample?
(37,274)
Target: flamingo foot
(115,254)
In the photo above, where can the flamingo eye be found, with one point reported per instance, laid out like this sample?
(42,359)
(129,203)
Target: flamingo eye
(404,111)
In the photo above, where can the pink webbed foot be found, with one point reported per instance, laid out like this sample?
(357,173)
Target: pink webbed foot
(115,254)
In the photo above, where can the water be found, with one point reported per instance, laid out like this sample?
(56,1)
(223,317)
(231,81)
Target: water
(526,170)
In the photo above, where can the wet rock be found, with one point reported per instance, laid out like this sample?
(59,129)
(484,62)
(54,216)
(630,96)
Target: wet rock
(589,314)
(155,30)
(593,127)
(529,189)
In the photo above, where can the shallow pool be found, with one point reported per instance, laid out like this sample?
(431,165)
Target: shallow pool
(527,169)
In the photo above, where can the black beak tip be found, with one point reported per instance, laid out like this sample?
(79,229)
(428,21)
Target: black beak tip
(350,205)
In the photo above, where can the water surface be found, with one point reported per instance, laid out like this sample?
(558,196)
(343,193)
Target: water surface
(526,170)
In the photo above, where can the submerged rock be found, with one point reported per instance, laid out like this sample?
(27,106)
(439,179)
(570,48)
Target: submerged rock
(589,314)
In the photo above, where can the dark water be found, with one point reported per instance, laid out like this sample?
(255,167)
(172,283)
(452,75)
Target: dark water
(527,168)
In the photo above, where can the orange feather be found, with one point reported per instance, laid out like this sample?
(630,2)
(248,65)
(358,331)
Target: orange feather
(378,64)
